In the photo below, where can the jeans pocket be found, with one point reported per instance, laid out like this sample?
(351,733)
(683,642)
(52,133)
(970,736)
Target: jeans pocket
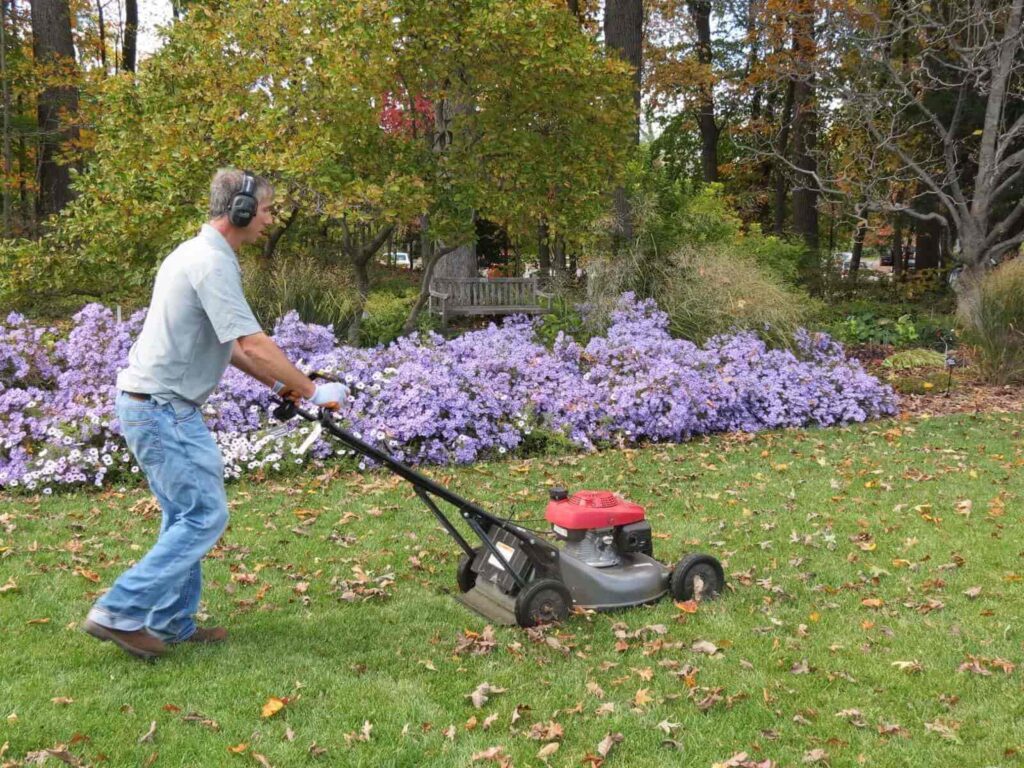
(144,442)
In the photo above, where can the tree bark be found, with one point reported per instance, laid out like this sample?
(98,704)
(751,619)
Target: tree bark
(781,151)
(700,10)
(131,31)
(623,34)
(858,242)
(7,159)
(898,264)
(805,129)
(57,105)
(267,254)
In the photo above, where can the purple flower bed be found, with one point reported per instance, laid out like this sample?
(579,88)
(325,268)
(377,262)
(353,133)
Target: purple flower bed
(428,400)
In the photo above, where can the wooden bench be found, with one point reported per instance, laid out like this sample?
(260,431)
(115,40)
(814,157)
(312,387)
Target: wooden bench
(463,296)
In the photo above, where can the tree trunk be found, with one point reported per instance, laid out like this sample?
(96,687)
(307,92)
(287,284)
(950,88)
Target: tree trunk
(57,105)
(858,243)
(781,151)
(805,130)
(131,31)
(898,264)
(623,33)
(461,262)
(267,254)
(543,253)
(700,10)
(362,272)
(102,30)
(7,159)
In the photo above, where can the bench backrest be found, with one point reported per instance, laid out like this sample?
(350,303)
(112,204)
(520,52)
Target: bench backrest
(488,292)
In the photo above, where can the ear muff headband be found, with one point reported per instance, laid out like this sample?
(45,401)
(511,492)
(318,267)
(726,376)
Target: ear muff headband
(244,204)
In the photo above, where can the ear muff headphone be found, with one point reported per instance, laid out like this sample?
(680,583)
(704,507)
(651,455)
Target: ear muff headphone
(244,204)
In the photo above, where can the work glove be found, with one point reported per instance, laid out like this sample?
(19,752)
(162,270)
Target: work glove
(330,395)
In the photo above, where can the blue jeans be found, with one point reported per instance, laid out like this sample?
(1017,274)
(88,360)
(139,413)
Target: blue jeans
(186,474)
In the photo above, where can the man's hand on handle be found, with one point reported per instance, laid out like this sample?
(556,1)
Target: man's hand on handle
(330,395)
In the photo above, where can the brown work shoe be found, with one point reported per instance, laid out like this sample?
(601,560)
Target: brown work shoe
(208,635)
(138,643)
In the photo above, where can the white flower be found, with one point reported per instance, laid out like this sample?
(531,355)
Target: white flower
(47,490)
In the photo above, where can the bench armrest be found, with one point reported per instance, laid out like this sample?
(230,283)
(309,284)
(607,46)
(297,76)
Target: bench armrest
(440,295)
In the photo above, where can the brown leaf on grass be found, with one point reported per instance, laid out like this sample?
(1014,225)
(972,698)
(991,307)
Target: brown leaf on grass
(238,748)
(483,691)
(547,750)
(31,622)
(489,721)
(493,754)
(668,727)
(364,732)
(62,700)
(315,750)
(853,716)
(708,697)
(289,734)
(872,602)
(595,690)
(689,606)
(800,667)
(518,712)
(200,719)
(703,646)
(910,667)
(892,729)
(60,751)
(449,733)
(476,643)
(605,709)
(972,592)
(642,697)
(272,706)
(945,728)
(549,731)
(8,586)
(815,756)
(148,735)
(609,741)
(87,574)
(262,760)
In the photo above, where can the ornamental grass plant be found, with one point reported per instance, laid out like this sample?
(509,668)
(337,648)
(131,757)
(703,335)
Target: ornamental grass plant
(993,312)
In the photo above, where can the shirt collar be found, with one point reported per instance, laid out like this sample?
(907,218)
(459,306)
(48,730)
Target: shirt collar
(216,239)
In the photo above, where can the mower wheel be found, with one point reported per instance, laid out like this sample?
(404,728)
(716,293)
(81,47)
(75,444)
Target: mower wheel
(542,602)
(684,584)
(465,576)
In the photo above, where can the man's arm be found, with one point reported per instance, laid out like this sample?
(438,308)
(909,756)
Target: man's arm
(258,356)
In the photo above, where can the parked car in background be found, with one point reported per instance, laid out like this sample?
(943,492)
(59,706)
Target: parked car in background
(398,258)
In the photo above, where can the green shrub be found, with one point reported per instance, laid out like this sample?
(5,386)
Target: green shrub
(563,318)
(712,289)
(319,293)
(993,312)
(385,314)
(868,328)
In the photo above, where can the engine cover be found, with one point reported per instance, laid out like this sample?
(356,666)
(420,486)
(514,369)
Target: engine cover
(585,510)
(595,548)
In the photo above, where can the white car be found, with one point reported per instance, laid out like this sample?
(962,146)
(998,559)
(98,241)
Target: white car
(398,258)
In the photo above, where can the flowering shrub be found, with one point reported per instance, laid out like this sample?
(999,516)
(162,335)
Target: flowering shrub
(430,400)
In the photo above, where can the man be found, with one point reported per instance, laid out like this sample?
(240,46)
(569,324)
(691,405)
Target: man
(198,323)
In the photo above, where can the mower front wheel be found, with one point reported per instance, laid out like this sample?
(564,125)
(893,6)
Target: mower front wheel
(465,576)
(697,577)
(542,602)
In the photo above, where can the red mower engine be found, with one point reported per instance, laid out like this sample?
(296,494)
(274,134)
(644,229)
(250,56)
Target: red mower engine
(597,527)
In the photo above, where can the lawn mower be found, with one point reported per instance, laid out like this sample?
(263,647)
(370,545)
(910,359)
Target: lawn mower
(602,558)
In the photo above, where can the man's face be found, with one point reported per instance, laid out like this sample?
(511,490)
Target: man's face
(264,218)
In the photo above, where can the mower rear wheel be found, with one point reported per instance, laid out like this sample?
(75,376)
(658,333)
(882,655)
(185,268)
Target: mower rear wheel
(465,576)
(705,568)
(542,602)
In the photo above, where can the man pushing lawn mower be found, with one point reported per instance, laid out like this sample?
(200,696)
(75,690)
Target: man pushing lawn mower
(198,323)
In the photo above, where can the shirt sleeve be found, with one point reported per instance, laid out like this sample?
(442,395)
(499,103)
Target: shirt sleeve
(220,293)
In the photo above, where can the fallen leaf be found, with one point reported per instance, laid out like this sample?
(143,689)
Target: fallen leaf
(605,709)
(972,592)
(703,646)
(609,741)
(238,748)
(668,727)
(872,602)
(63,700)
(595,690)
(482,693)
(547,750)
(148,735)
(272,707)
(642,697)
(262,760)
(815,756)
(689,606)
(910,667)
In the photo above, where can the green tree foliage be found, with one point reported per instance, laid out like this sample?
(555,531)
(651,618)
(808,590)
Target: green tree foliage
(367,116)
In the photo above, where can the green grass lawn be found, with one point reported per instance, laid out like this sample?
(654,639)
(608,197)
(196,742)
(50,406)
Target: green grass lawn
(875,617)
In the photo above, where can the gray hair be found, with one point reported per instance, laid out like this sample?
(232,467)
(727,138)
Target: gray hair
(227,182)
